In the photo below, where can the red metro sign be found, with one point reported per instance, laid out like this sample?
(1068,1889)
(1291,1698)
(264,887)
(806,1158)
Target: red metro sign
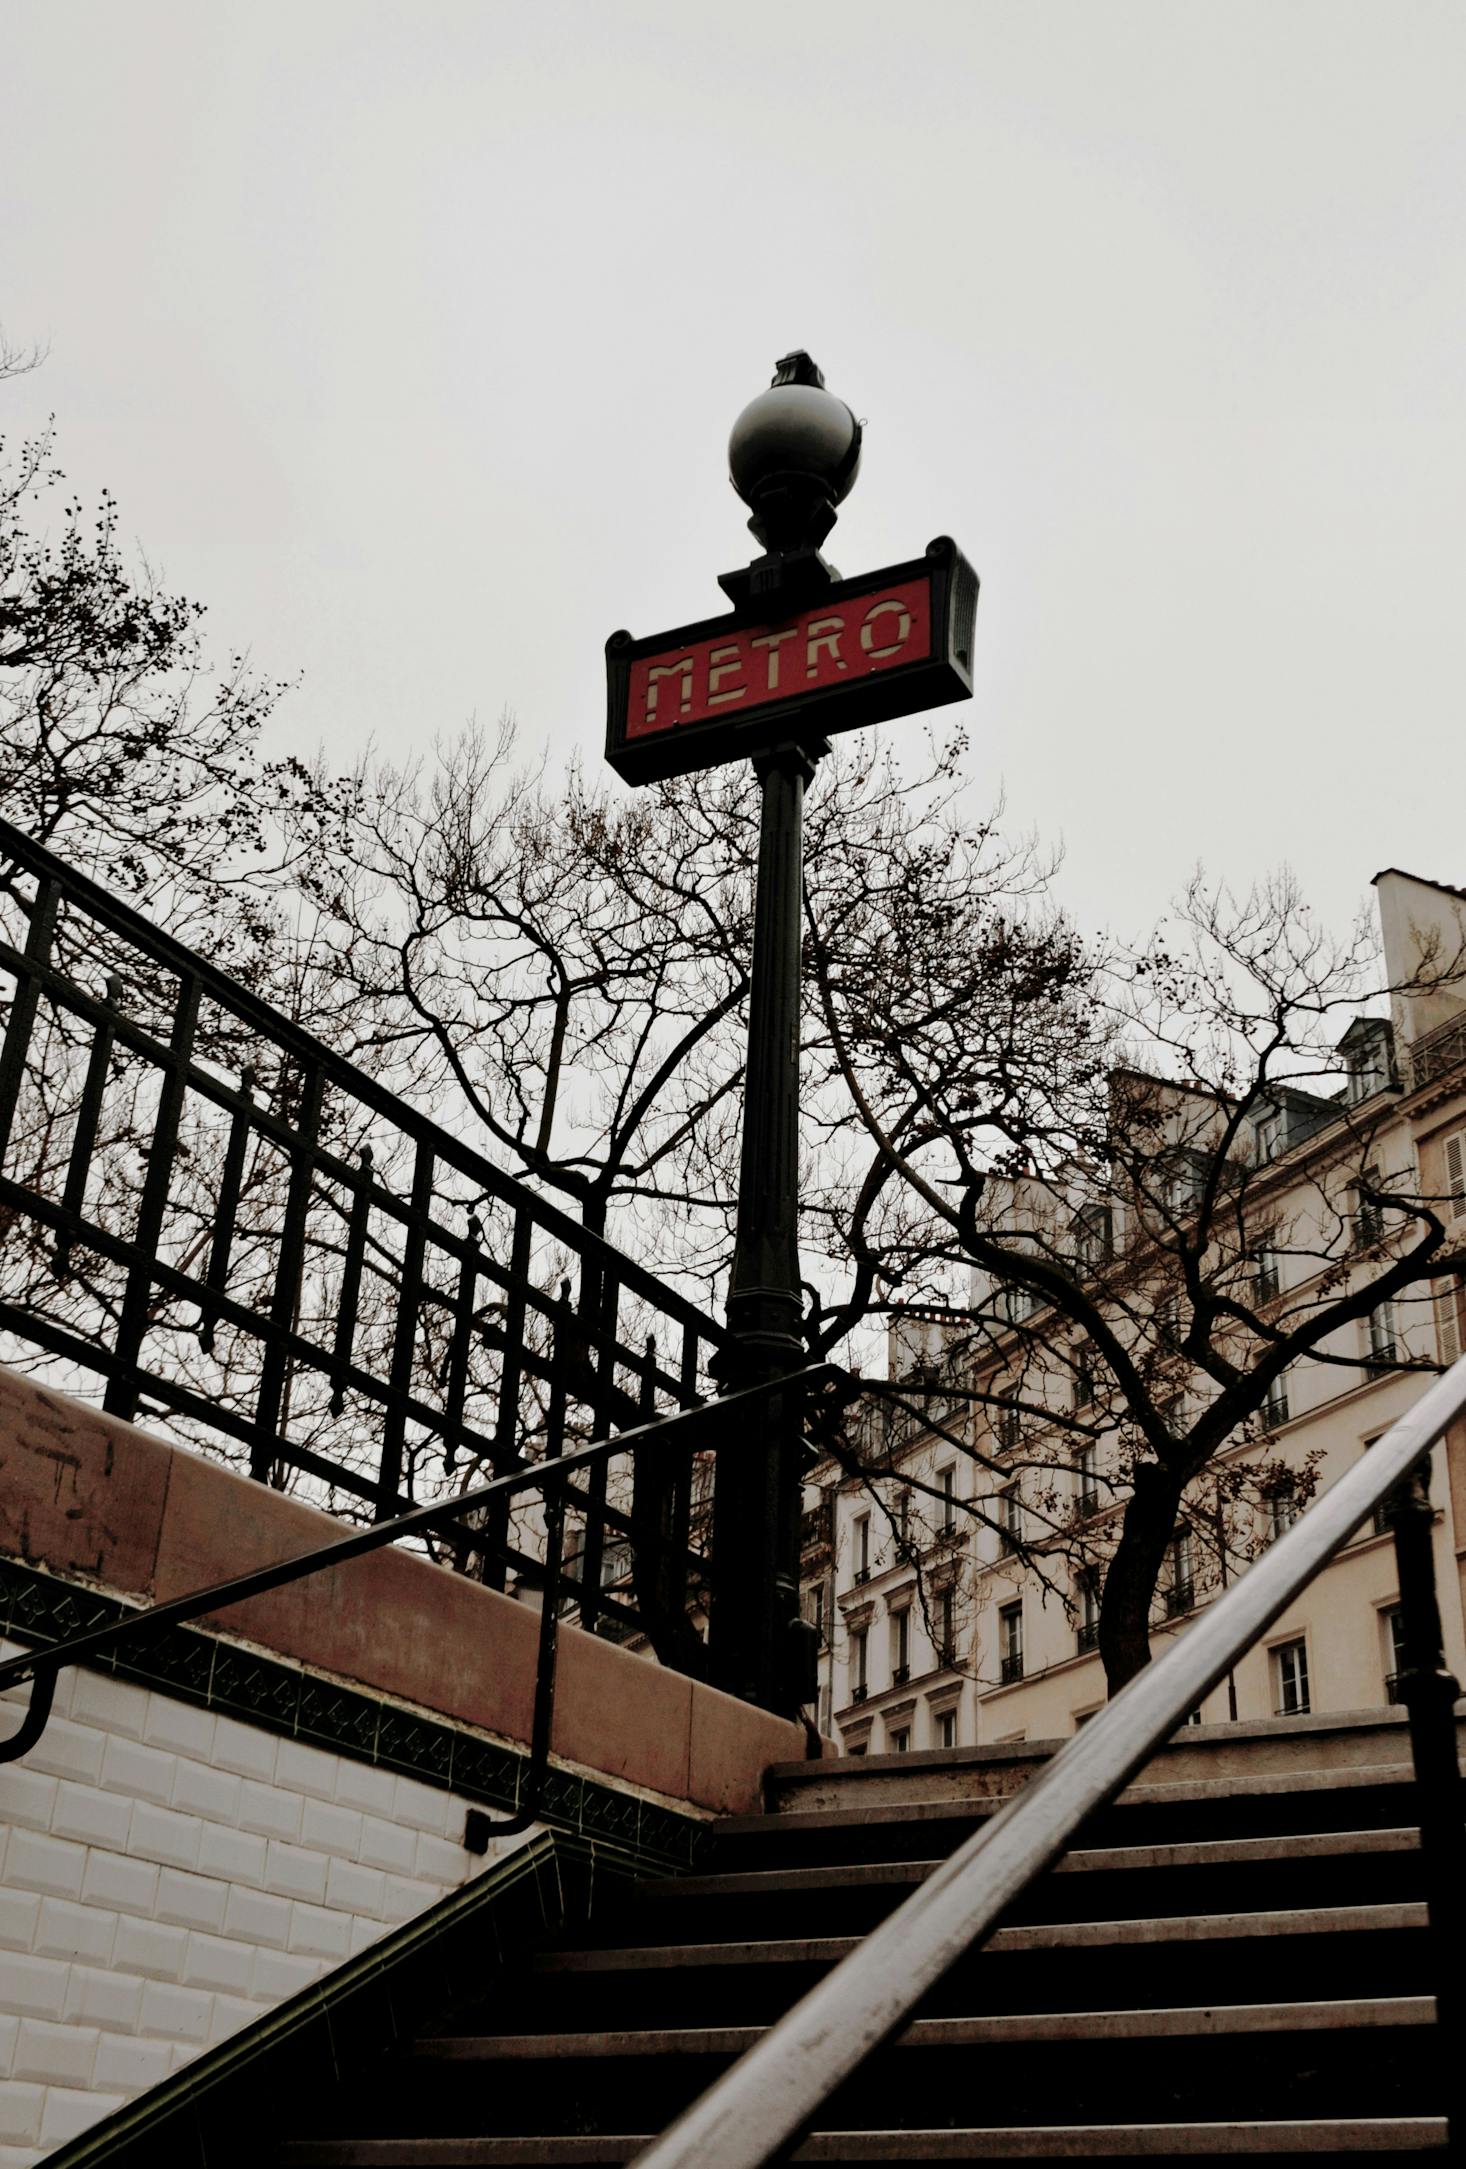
(889,643)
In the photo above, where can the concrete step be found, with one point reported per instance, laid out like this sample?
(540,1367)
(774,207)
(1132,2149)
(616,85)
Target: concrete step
(1299,1751)
(1188,2023)
(1054,1935)
(1113,1859)
(1380,2136)
(1190,1809)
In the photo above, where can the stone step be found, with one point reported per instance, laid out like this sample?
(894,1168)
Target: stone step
(1055,1935)
(1320,1749)
(1202,1853)
(1054,2142)
(821,1803)
(1201,2022)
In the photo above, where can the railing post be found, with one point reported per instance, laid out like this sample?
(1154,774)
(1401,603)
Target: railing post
(121,1397)
(1430,1693)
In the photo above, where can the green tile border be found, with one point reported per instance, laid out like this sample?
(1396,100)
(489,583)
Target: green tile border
(213,1674)
(217,2111)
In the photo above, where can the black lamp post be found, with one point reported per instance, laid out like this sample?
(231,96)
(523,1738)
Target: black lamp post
(802,655)
(793,456)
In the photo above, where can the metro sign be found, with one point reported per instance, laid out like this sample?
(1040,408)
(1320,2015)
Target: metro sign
(887,644)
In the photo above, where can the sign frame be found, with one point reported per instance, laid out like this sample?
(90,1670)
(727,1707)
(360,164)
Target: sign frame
(812,713)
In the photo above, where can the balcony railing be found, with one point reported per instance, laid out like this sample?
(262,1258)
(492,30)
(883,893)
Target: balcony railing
(1180,1597)
(1010,1668)
(1087,1636)
(1437,1055)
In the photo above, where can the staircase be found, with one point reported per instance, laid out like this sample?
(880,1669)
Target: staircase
(1227,1964)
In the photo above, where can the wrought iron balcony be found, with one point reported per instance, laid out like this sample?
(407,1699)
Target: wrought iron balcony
(1011,1668)
(1087,1636)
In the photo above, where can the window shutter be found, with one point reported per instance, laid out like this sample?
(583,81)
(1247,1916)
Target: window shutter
(1455,1157)
(1448,1322)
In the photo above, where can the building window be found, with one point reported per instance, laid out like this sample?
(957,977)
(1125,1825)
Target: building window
(1450,1320)
(1368,1214)
(946,1626)
(1010,1642)
(1395,1628)
(1453,1161)
(901,1646)
(1269,1132)
(1086,1482)
(859,1658)
(1091,1235)
(1083,1384)
(1181,1583)
(1368,1060)
(615,1562)
(812,1605)
(1007,1425)
(862,1548)
(1010,1521)
(901,1515)
(1383,1334)
(1087,1603)
(944,1728)
(1290,1665)
(1267,1276)
(947,1497)
(1283,1508)
(899,1740)
(1275,1404)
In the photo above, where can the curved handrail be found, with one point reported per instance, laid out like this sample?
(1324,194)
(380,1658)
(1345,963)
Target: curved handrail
(759,2105)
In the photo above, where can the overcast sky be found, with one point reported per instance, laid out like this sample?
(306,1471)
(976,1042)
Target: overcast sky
(409,337)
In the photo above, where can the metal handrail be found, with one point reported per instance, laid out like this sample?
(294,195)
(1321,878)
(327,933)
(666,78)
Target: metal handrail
(41,1666)
(771,2094)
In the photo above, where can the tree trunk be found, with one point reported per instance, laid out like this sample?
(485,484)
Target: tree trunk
(1130,1584)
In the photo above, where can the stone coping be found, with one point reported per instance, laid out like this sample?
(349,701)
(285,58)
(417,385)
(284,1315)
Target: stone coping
(100,1503)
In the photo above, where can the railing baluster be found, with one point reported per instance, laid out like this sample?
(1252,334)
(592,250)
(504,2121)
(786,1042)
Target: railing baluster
(289,1268)
(468,1272)
(511,1380)
(226,1212)
(39,937)
(350,1296)
(605,1301)
(88,1115)
(121,1397)
(404,1339)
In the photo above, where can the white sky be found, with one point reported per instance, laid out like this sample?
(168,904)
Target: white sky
(409,337)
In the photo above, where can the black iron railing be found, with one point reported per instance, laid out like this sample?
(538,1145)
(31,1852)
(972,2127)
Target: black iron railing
(211,1217)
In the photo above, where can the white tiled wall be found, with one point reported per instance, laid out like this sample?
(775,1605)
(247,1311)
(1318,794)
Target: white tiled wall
(166,1875)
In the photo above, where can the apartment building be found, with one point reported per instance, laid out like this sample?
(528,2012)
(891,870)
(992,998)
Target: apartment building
(956,1582)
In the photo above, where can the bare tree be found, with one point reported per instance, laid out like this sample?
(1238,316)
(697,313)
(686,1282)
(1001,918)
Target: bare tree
(1162,1196)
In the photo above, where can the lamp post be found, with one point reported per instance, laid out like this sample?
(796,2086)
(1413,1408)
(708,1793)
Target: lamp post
(802,655)
(793,455)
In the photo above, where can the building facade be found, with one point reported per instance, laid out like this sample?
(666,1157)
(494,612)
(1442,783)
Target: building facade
(954,1604)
